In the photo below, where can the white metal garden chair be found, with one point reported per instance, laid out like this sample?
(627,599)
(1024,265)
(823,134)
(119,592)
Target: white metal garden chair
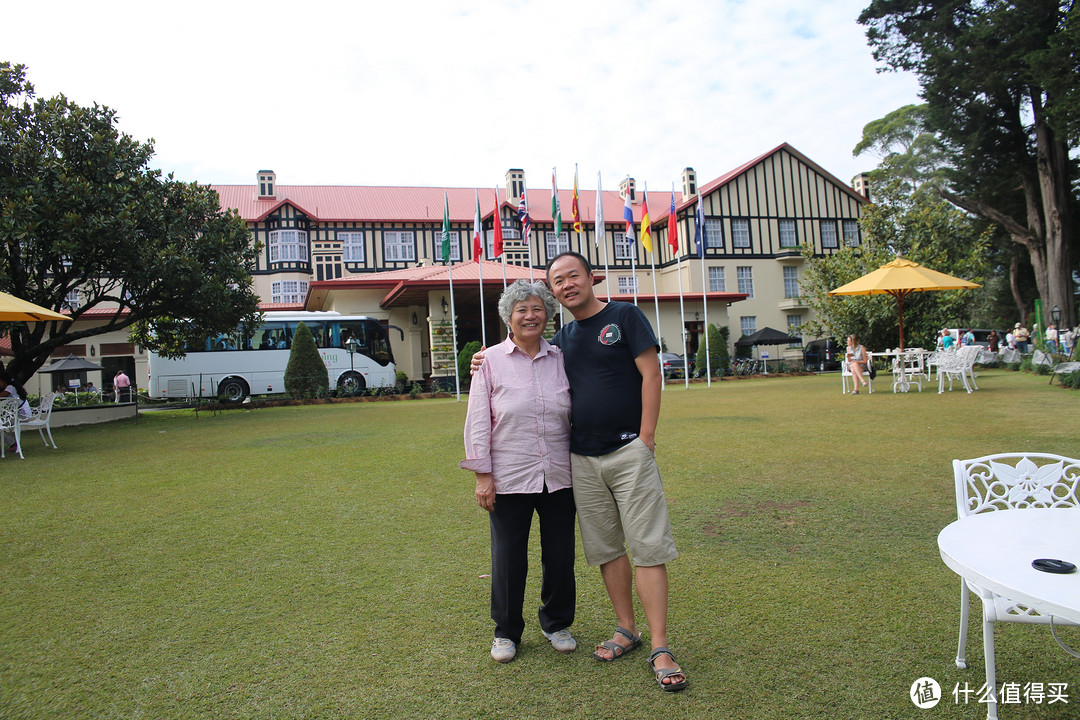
(1008,481)
(845,373)
(10,424)
(41,419)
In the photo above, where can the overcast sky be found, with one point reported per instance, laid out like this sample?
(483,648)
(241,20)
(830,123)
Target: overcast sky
(455,92)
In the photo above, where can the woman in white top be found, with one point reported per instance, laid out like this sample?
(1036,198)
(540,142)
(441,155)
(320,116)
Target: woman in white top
(14,390)
(856,360)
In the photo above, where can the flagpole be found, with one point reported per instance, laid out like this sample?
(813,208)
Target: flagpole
(453,327)
(673,228)
(447,256)
(704,289)
(646,230)
(528,244)
(498,219)
(479,243)
(600,232)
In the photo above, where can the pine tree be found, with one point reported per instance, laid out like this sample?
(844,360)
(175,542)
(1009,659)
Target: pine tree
(305,375)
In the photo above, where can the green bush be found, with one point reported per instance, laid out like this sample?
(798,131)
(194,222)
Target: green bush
(1015,367)
(1071,380)
(464,359)
(305,375)
(719,355)
(415,391)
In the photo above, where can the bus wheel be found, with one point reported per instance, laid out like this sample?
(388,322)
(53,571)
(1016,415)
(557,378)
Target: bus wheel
(233,389)
(351,383)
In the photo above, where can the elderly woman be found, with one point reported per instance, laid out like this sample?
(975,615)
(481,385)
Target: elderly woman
(856,360)
(517,441)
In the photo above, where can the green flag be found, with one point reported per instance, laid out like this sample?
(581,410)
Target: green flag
(446,230)
(556,209)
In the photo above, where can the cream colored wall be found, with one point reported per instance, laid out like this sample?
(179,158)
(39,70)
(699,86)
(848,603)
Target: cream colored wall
(41,383)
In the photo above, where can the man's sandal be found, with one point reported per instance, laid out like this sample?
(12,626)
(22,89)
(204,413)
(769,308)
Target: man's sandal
(664,673)
(617,650)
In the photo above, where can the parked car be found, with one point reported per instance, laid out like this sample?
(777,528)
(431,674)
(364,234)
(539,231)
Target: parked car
(823,354)
(673,365)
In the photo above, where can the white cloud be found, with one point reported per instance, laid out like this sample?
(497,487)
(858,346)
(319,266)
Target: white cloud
(429,92)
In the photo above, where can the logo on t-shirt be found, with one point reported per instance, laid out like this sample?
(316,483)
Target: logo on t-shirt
(610,335)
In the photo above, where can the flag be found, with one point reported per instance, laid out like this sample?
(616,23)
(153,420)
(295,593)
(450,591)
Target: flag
(646,224)
(446,229)
(699,229)
(477,230)
(526,221)
(628,215)
(673,226)
(600,232)
(496,229)
(556,209)
(574,209)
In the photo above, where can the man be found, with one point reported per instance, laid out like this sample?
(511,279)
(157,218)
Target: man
(611,361)
(121,385)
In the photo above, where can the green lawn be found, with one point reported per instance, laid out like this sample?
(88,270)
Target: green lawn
(329,561)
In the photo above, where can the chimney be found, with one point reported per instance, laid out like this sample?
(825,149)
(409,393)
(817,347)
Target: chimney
(267,181)
(515,184)
(861,184)
(689,183)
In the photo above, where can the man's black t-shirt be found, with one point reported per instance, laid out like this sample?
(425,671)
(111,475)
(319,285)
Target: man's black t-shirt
(605,384)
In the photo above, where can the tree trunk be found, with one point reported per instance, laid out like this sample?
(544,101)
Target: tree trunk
(1014,285)
(1052,163)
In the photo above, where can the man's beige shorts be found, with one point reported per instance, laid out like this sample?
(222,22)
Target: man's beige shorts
(621,506)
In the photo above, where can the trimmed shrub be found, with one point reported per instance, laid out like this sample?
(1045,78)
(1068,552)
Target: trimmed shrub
(305,375)
(719,355)
(464,360)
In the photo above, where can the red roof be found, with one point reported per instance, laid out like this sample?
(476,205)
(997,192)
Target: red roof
(347,203)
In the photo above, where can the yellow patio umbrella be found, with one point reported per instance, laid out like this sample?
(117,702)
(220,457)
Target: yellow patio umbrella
(12,309)
(900,278)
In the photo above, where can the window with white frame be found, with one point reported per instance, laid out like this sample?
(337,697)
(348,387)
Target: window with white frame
(400,245)
(627,284)
(624,249)
(828,234)
(740,233)
(557,245)
(851,233)
(793,323)
(455,246)
(787,234)
(791,282)
(716,279)
(714,234)
(744,275)
(288,245)
(352,246)
(288,291)
(748,324)
(71,300)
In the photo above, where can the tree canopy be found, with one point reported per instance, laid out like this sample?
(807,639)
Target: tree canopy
(917,225)
(999,80)
(87,227)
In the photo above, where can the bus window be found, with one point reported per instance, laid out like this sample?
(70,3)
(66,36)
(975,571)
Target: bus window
(353,329)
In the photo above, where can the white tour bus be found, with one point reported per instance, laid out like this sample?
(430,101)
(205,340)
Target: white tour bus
(235,365)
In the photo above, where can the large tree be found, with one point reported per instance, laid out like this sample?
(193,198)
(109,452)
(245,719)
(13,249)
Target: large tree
(914,223)
(82,212)
(999,80)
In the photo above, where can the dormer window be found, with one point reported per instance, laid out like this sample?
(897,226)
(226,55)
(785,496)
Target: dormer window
(267,180)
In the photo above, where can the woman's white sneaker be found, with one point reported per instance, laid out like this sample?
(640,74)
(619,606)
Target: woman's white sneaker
(562,641)
(503,649)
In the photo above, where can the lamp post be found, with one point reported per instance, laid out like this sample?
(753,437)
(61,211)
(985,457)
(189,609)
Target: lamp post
(1055,315)
(351,345)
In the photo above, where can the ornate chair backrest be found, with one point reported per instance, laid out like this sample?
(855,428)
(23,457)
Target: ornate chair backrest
(1015,480)
(44,407)
(9,412)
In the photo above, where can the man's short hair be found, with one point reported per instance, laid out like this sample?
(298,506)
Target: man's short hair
(569,253)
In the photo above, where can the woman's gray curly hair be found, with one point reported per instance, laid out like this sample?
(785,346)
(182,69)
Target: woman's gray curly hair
(523,290)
